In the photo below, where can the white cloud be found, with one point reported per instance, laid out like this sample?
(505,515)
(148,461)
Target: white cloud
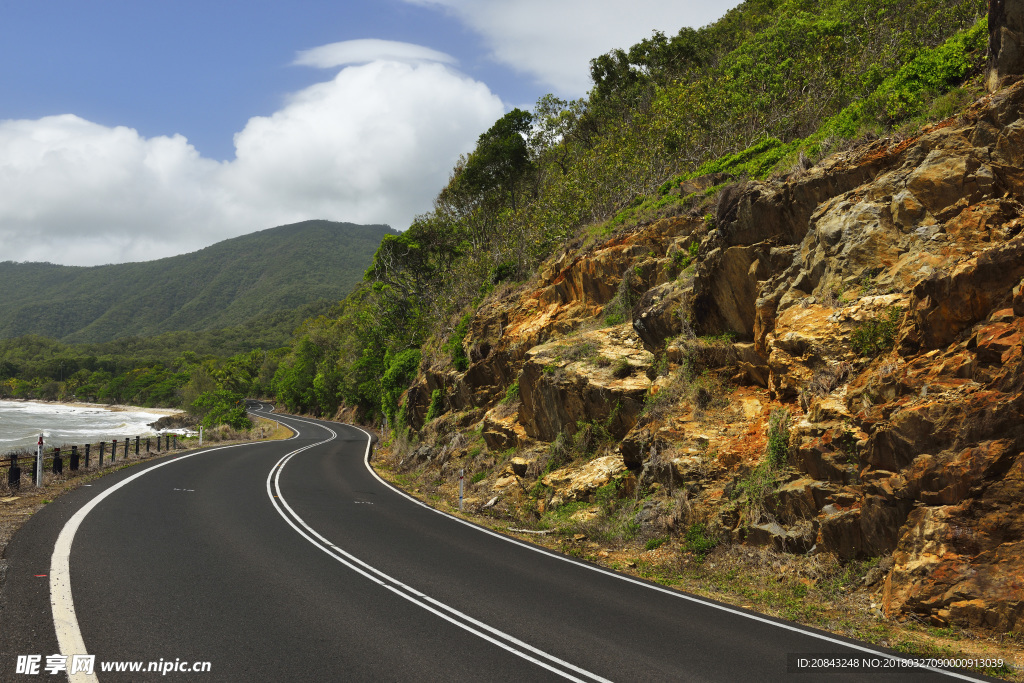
(372,145)
(368,50)
(555,41)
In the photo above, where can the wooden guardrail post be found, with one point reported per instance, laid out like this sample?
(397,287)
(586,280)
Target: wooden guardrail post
(58,462)
(103,445)
(14,474)
(127,442)
(87,455)
(136,445)
(74,458)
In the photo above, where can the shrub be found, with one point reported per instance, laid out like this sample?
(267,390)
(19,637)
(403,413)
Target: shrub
(655,543)
(778,437)
(400,373)
(454,344)
(620,308)
(621,369)
(877,335)
(763,479)
(221,407)
(512,393)
(436,404)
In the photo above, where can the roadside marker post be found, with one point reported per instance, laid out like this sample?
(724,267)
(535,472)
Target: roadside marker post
(462,478)
(39,462)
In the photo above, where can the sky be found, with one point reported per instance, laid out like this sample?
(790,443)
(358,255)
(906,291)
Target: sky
(132,130)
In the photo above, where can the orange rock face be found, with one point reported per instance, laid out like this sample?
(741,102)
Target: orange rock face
(879,296)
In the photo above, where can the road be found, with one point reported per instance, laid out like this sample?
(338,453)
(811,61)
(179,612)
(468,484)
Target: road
(292,561)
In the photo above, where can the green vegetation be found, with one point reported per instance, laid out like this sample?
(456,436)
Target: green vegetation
(772,86)
(763,480)
(697,541)
(401,372)
(228,284)
(512,393)
(436,404)
(655,543)
(768,89)
(877,335)
(221,407)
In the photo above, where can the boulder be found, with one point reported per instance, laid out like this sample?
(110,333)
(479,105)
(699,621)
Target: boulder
(606,382)
(580,482)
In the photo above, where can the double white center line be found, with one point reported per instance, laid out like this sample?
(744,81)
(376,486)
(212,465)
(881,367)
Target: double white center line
(450,614)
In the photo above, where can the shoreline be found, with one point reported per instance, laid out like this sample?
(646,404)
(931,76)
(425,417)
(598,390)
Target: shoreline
(109,407)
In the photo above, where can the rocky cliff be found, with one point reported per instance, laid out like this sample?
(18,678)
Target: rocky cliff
(868,311)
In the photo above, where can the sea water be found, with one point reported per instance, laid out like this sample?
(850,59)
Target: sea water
(21,423)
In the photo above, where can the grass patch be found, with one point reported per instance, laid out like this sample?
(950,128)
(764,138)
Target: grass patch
(697,541)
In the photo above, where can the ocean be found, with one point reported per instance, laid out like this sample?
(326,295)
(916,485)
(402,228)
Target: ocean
(21,422)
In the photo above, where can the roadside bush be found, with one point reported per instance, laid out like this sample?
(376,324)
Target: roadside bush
(221,407)
(400,373)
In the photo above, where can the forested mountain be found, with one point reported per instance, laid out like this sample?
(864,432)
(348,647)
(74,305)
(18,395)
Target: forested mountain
(231,283)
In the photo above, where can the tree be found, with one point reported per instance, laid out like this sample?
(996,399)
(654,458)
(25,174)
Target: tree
(502,156)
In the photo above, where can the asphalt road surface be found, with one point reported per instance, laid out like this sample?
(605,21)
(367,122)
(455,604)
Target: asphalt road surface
(291,561)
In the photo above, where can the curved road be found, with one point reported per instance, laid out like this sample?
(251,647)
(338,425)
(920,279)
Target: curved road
(292,561)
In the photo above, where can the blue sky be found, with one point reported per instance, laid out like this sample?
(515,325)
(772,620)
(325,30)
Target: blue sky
(132,130)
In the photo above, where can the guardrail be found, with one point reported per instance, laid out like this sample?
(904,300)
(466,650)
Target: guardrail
(19,469)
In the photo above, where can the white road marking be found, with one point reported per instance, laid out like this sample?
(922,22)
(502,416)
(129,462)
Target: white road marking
(454,616)
(62,604)
(654,587)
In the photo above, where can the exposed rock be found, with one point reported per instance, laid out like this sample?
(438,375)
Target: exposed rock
(570,483)
(1005,43)
(914,450)
(561,385)
(793,540)
(501,430)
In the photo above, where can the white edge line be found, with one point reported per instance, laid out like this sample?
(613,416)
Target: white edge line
(400,588)
(62,604)
(654,587)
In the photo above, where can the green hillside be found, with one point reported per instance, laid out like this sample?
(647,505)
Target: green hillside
(222,286)
(771,89)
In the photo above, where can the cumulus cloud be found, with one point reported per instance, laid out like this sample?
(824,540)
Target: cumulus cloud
(372,145)
(555,41)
